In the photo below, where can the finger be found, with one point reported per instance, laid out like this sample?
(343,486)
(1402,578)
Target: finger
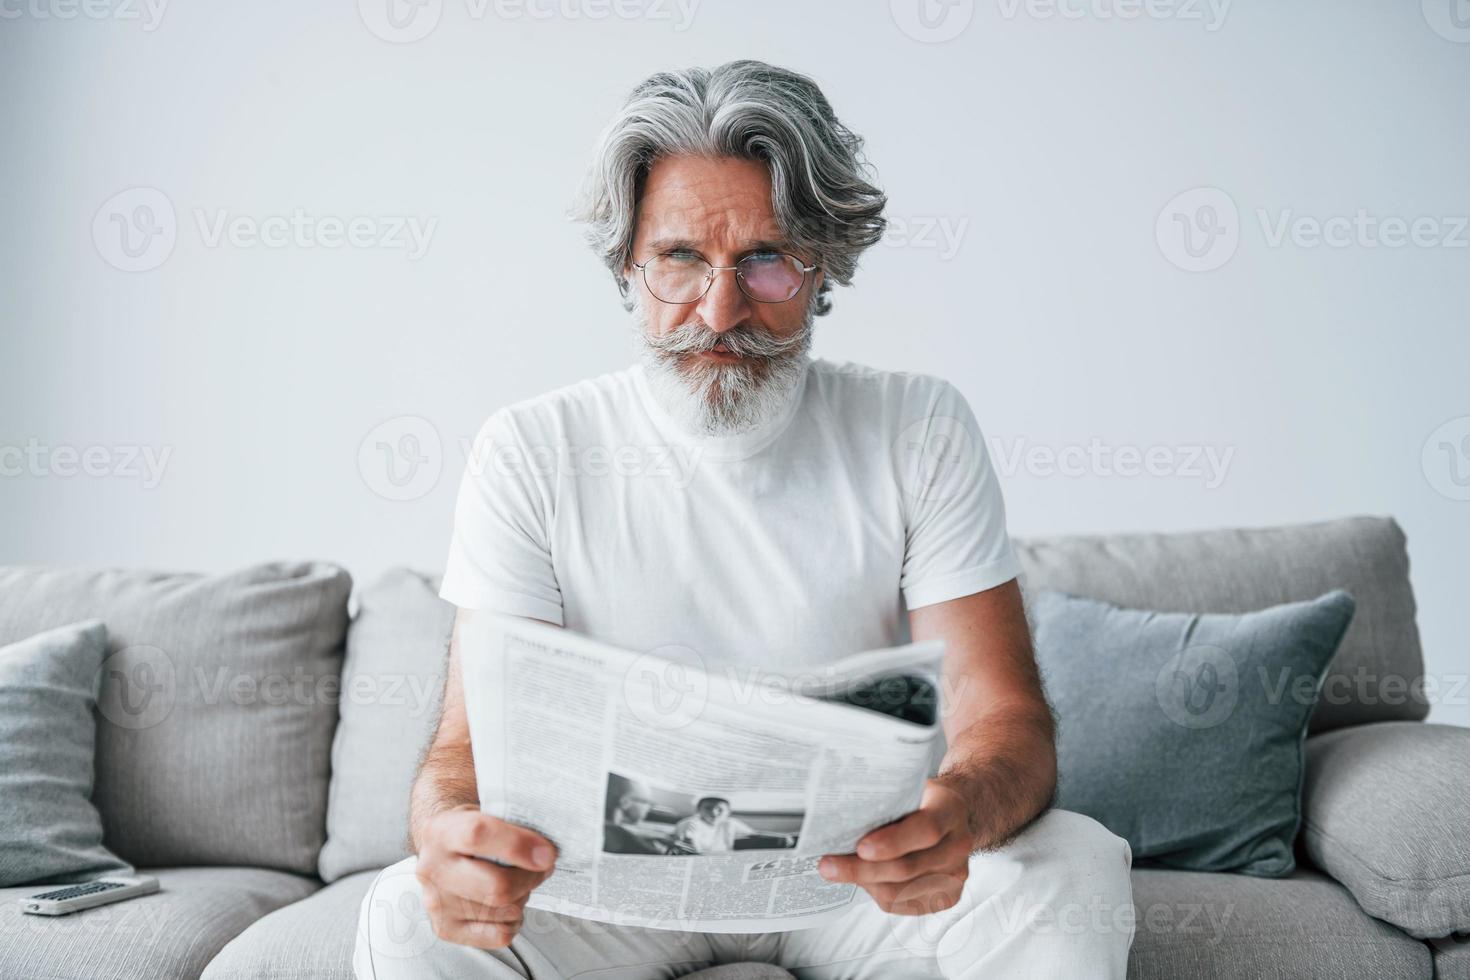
(949,856)
(474,880)
(482,835)
(915,832)
(447,910)
(482,935)
(923,896)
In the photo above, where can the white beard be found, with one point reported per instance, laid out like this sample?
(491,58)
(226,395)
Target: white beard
(725,399)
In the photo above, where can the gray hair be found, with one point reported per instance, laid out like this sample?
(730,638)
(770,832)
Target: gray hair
(749,110)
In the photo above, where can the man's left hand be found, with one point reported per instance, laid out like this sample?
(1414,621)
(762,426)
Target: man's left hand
(916,865)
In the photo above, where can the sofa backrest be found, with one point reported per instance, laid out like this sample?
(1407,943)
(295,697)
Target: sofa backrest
(217,704)
(399,638)
(1377,674)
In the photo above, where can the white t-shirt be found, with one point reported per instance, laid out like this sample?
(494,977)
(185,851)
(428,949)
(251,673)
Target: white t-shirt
(803,541)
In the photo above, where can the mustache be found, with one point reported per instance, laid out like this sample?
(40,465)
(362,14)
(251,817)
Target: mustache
(746,341)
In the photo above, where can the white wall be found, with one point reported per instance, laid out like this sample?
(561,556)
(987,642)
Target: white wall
(1045,141)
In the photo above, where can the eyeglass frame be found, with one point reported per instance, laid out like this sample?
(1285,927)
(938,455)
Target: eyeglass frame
(709,278)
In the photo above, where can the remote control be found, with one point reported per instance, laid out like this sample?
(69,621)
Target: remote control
(89,894)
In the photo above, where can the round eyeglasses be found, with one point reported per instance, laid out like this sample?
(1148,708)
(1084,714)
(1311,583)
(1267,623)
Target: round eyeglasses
(683,277)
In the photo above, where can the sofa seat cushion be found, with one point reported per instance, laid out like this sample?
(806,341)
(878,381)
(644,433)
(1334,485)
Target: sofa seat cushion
(1190,924)
(1206,926)
(311,939)
(314,939)
(173,933)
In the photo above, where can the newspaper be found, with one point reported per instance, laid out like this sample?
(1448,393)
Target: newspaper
(685,796)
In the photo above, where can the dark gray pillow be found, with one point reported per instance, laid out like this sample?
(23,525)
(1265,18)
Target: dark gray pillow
(1183,733)
(49,830)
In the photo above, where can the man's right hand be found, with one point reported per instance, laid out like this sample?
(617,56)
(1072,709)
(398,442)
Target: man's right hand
(470,900)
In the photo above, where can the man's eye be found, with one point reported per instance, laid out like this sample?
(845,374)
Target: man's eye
(683,257)
(763,258)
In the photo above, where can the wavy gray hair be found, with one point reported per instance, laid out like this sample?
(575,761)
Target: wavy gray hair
(750,110)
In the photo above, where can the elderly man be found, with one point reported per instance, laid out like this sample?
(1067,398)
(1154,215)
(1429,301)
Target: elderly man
(828,507)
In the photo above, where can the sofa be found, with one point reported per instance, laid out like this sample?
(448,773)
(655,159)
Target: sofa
(258,732)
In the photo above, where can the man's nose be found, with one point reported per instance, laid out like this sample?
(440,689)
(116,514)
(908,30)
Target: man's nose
(723,306)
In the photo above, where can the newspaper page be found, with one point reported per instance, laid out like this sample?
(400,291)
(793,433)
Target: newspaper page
(681,796)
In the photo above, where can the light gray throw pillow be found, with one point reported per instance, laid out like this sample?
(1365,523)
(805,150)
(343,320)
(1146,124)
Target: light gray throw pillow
(49,829)
(397,651)
(1183,733)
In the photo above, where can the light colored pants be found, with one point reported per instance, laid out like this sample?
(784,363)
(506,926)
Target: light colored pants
(1055,904)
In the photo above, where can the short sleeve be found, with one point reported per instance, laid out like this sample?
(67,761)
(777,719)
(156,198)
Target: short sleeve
(500,552)
(956,542)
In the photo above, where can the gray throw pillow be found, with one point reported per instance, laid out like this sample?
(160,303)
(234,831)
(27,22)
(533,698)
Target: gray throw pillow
(49,830)
(1385,810)
(1183,733)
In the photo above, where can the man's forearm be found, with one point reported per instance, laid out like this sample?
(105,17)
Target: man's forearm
(445,780)
(1004,765)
